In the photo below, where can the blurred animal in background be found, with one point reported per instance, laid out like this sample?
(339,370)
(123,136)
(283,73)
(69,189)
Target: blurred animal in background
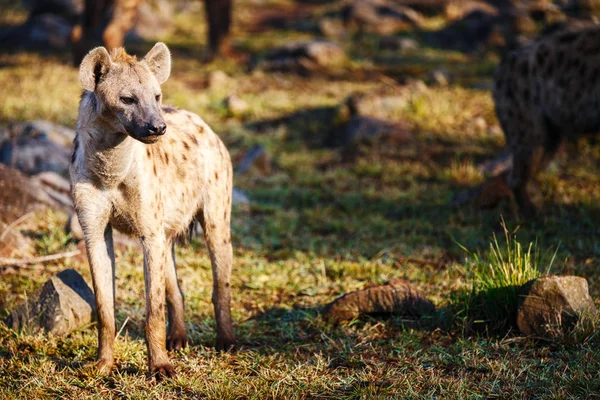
(113,18)
(218,17)
(545,92)
(148,171)
(110,20)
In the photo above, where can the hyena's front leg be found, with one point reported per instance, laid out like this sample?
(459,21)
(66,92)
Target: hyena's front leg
(99,245)
(176,335)
(218,239)
(155,260)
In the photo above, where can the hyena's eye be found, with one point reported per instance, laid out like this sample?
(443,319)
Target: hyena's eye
(157,97)
(127,100)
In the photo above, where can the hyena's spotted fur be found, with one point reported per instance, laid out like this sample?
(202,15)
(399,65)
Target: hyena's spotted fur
(131,173)
(544,92)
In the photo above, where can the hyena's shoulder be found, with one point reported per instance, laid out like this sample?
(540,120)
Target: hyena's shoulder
(184,122)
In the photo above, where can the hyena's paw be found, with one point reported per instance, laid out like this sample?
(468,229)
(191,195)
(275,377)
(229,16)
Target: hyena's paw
(177,341)
(100,367)
(160,371)
(225,343)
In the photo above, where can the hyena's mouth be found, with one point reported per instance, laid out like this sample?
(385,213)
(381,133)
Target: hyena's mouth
(147,139)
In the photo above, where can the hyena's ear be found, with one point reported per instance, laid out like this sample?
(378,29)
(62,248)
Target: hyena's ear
(93,67)
(158,60)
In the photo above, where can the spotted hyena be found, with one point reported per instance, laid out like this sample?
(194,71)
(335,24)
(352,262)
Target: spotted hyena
(148,170)
(544,92)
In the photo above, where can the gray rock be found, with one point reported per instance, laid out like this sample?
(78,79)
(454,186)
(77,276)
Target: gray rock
(37,146)
(33,155)
(364,129)
(256,157)
(380,16)
(239,198)
(63,304)
(379,103)
(551,305)
(305,57)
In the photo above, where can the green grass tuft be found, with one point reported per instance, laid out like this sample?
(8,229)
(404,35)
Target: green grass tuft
(490,304)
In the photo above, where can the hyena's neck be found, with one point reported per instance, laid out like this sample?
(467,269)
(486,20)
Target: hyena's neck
(108,154)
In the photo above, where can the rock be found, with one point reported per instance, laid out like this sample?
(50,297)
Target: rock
(304,57)
(240,199)
(551,305)
(257,157)
(365,129)
(380,16)
(396,43)
(20,194)
(380,103)
(331,27)
(480,124)
(37,146)
(235,105)
(439,76)
(217,79)
(63,304)
(33,155)
(396,297)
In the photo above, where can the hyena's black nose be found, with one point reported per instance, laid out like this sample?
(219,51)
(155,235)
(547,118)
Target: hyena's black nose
(157,128)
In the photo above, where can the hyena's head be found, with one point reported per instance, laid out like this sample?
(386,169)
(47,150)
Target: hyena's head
(127,90)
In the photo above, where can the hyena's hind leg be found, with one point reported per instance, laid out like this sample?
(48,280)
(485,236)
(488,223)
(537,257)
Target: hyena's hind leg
(531,155)
(176,333)
(216,227)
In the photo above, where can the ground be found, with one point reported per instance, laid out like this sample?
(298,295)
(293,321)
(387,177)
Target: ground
(320,225)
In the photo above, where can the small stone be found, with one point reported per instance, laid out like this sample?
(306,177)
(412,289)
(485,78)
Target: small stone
(380,16)
(331,27)
(440,77)
(235,105)
(256,157)
(480,124)
(365,129)
(551,305)
(396,297)
(217,79)
(397,44)
(308,56)
(240,199)
(63,304)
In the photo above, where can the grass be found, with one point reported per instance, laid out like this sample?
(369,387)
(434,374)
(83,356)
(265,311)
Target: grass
(492,301)
(319,225)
